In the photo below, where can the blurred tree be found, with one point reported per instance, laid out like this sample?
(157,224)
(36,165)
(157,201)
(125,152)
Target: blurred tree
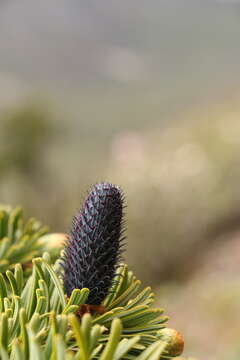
(25,132)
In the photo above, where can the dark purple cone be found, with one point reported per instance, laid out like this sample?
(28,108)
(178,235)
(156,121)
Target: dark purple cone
(92,252)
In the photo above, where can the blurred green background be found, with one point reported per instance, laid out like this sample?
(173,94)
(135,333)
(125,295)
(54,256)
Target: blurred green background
(144,94)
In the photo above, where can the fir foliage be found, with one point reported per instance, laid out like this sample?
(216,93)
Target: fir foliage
(20,241)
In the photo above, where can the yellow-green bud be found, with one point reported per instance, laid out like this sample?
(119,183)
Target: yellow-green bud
(174,340)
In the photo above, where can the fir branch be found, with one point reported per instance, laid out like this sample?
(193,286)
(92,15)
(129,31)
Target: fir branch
(36,318)
(20,241)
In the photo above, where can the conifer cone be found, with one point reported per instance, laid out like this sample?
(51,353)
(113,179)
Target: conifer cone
(93,249)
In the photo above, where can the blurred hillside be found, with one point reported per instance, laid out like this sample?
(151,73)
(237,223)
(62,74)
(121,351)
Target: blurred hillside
(182,186)
(207,307)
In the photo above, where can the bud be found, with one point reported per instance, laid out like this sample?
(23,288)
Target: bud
(93,249)
(174,340)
